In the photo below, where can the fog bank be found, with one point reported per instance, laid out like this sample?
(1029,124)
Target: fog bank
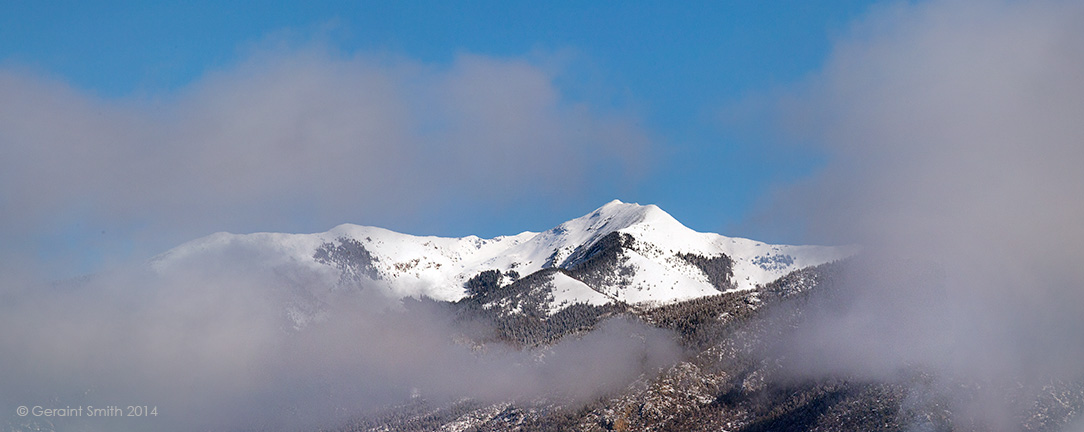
(213,347)
(955,147)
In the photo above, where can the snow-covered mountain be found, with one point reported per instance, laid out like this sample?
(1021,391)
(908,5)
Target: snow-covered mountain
(636,254)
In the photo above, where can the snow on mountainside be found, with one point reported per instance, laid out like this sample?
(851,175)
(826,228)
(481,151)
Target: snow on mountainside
(627,252)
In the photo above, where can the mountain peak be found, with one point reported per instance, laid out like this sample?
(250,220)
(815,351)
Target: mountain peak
(616,215)
(561,243)
(618,206)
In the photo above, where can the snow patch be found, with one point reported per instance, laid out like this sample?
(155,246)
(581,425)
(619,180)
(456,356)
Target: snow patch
(568,291)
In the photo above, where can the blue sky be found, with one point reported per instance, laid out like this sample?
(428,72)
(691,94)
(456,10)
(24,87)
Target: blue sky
(665,75)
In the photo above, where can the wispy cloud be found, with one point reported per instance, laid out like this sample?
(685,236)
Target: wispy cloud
(210,343)
(954,136)
(287,137)
(307,134)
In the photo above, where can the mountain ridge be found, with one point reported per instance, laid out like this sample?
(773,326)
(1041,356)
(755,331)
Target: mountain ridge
(627,252)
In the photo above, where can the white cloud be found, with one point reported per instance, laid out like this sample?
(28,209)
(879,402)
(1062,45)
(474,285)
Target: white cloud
(210,345)
(310,135)
(955,143)
(307,134)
